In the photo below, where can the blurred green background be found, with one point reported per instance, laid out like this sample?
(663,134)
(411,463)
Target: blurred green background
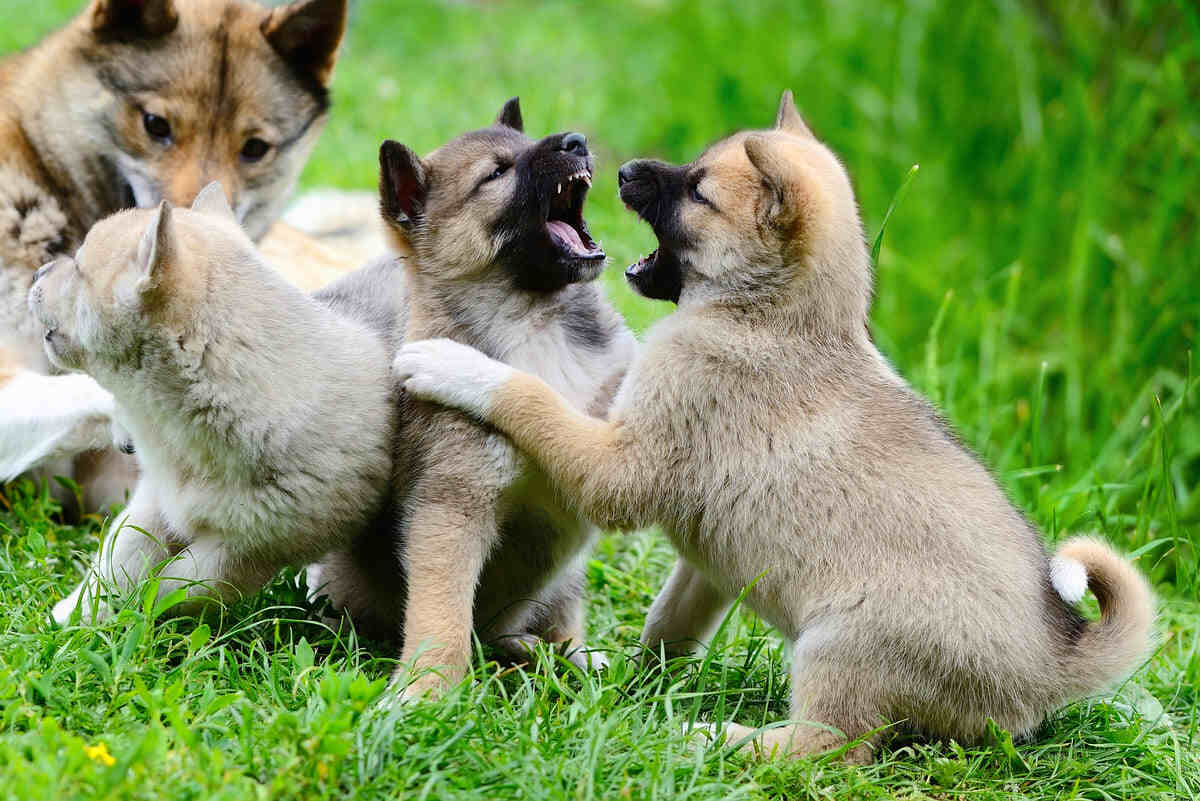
(1041,278)
(1040,281)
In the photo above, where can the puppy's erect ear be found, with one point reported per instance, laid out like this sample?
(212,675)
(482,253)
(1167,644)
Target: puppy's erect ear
(155,248)
(510,115)
(127,19)
(788,119)
(403,185)
(306,34)
(212,201)
(780,179)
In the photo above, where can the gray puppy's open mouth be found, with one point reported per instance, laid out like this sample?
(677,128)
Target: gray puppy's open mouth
(564,219)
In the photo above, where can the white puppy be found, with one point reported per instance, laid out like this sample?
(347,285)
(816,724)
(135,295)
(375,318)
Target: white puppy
(262,417)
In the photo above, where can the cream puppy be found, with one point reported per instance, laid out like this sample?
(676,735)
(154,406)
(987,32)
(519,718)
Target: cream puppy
(777,448)
(263,419)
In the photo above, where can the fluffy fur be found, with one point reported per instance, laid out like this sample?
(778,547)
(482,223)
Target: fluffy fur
(263,418)
(482,542)
(764,432)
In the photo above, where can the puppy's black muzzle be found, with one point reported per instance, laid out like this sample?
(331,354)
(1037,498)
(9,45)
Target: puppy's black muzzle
(659,277)
(643,187)
(653,190)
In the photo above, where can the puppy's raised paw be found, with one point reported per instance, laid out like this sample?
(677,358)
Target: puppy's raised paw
(450,373)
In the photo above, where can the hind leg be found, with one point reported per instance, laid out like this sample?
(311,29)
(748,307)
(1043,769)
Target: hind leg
(365,583)
(685,612)
(834,702)
(565,624)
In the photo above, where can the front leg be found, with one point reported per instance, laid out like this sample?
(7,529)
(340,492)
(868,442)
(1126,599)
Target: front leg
(687,609)
(208,571)
(600,467)
(132,549)
(448,541)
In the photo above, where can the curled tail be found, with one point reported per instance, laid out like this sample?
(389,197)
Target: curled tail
(1110,648)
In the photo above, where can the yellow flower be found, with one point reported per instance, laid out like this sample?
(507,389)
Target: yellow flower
(99,753)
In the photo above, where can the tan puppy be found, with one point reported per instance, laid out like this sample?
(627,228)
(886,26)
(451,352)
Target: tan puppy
(496,254)
(263,417)
(768,437)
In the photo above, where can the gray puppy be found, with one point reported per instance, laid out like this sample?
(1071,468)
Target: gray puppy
(496,253)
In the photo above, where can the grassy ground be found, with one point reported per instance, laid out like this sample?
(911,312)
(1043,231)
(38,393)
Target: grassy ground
(1039,281)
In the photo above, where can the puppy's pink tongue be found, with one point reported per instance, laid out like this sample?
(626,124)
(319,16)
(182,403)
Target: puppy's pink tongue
(566,234)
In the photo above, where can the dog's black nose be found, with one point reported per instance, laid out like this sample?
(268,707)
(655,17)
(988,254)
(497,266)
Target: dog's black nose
(45,268)
(576,143)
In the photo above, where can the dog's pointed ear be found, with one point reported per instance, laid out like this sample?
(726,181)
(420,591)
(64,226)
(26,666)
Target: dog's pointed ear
(125,19)
(155,248)
(779,177)
(306,34)
(510,115)
(212,200)
(787,118)
(403,185)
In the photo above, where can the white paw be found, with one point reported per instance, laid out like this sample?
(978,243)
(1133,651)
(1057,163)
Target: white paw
(588,659)
(450,373)
(43,418)
(90,611)
(312,579)
(122,440)
(63,609)
(707,733)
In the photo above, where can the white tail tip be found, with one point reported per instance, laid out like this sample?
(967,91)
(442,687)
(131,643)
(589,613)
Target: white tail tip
(1069,578)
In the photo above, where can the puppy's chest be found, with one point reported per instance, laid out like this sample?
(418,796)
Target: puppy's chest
(577,373)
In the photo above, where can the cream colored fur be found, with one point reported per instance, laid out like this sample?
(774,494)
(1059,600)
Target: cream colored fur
(764,432)
(263,420)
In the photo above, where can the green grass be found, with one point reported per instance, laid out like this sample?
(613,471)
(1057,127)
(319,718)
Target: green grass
(1039,280)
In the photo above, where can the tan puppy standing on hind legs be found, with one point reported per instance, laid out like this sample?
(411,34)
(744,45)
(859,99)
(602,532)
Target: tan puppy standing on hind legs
(764,432)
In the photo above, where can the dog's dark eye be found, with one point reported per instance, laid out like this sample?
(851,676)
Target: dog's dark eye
(156,126)
(499,171)
(254,150)
(697,197)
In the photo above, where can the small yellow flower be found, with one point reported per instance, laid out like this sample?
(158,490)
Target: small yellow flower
(99,753)
(322,770)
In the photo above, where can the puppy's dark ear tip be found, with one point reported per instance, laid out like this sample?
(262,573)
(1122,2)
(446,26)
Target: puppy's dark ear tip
(510,115)
(388,150)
